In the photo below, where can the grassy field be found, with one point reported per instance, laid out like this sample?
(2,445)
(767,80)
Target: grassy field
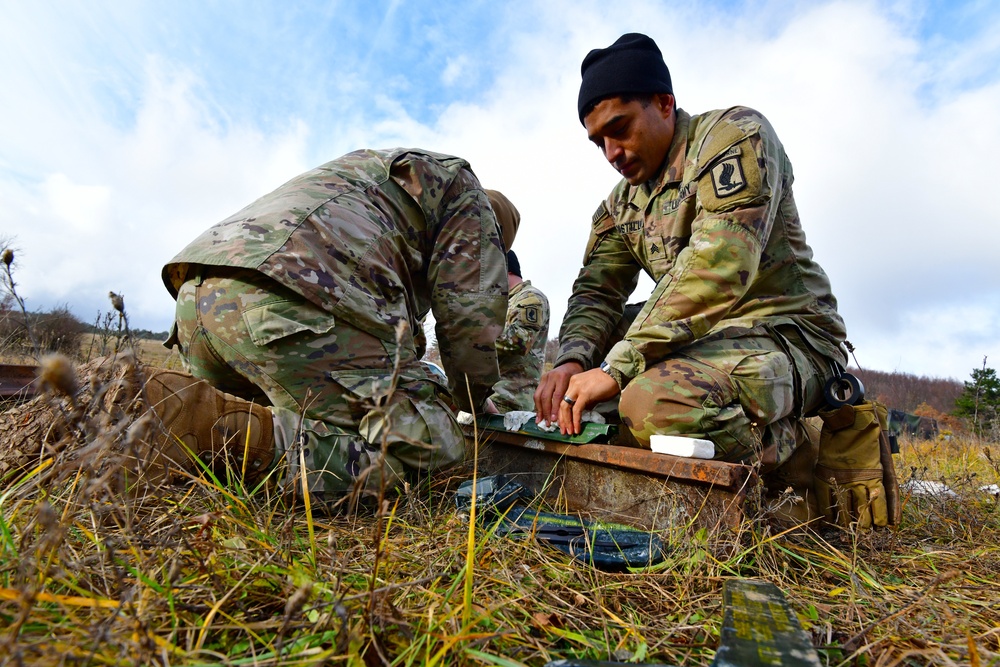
(213,573)
(91,346)
(148,351)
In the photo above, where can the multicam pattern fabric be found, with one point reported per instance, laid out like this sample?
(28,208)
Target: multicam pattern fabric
(719,233)
(329,386)
(521,348)
(737,392)
(304,300)
(375,238)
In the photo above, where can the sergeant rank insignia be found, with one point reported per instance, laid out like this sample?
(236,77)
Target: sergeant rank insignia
(727,177)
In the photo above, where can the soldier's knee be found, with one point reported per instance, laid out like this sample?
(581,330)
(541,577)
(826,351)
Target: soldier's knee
(671,391)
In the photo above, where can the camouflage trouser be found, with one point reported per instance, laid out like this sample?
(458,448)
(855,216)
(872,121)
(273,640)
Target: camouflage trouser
(745,393)
(327,383)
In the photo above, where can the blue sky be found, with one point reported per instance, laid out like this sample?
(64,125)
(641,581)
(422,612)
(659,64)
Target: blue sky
(132,126)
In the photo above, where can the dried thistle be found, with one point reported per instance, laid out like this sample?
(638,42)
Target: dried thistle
(8,256)
(57,375)
(117,302)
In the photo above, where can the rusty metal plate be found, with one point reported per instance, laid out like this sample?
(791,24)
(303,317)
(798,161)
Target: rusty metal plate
(17,381)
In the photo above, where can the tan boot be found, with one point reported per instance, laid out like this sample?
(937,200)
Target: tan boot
(197,419)
(789,487)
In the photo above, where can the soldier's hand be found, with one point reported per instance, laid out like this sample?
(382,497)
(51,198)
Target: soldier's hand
(551,389)
(584,390)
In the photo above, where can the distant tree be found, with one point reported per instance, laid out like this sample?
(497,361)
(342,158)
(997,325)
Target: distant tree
(945,422)
(58,330)
(10,321)
(980,401)
(55,330)
(905,392)
(146,334)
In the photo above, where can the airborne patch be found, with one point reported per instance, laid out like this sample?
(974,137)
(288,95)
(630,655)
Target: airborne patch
(727,177)
(531,314)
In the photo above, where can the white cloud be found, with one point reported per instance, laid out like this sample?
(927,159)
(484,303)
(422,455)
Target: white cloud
(455,69)
(892,137)
(83,207)
(151,188)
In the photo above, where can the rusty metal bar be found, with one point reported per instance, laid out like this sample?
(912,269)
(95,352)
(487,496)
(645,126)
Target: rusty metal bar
(17,380)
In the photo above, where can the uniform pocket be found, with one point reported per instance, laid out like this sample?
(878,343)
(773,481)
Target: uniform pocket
(273,320)
(765,382)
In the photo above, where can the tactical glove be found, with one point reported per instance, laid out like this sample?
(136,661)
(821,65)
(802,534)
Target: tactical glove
(849,472)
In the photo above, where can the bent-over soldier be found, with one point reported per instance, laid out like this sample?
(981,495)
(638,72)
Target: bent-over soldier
(306,301)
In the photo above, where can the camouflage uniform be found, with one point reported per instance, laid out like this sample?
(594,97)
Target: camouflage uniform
(741,330)
(306,298)
(521,348)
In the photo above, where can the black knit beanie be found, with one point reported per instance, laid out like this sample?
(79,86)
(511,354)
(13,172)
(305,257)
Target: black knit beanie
(513,266)
(633,64)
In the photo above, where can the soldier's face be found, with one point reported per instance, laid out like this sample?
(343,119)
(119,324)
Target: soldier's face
(634,138)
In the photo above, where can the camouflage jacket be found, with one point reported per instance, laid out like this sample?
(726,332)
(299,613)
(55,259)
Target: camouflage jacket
(521,348)
(376,238)
(718,231)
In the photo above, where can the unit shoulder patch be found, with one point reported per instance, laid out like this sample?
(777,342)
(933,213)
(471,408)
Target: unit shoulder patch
(732,179)
(727,177)
(531,314)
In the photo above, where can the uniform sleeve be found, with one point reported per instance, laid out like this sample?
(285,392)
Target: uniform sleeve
(713,273)
(609,275)
(527,316)
(467,275)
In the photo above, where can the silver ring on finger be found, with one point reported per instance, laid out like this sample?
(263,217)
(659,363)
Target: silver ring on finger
(571,401)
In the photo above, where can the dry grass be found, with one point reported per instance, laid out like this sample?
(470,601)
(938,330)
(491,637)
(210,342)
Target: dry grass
(211,573)
(151,352)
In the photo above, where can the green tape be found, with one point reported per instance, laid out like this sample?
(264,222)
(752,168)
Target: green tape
(759,628)
(591,431)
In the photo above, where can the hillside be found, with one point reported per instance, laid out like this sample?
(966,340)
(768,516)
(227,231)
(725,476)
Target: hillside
(906,392)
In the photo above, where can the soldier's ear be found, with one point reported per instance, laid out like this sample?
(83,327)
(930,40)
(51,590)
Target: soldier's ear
(664,104)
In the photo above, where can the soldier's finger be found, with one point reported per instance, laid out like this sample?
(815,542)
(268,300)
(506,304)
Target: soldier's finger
(539,407)
(860,507)
(543,399)
(565,417)
(558,394)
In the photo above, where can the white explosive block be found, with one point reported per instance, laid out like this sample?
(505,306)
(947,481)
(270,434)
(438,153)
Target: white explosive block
(677,445)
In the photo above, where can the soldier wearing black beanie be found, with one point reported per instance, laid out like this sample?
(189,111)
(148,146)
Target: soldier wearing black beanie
(633,64)
(705,208)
